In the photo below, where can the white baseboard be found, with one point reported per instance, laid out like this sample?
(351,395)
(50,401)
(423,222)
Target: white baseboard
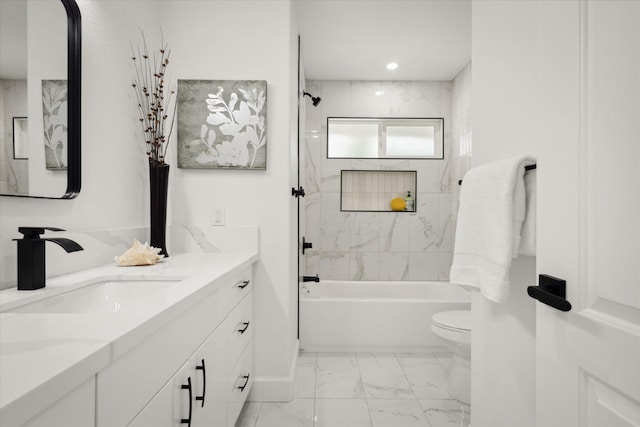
(275,389)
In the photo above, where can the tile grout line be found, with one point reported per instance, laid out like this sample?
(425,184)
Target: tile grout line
(315,393)
(412,390)
(366,398)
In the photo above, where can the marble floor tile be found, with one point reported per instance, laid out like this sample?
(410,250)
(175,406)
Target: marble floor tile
(342,413)
(249,414)
(305,381)
(427,377)
(446,413)
(364,390)
(444,359)
(396,413)
(383,378)
(297,413)
(338,376)
(416,359)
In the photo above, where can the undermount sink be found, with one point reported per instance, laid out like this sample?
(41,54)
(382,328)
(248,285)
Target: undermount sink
(104,296)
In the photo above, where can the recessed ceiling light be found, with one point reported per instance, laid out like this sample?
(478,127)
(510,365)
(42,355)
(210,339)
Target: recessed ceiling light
(392,65)
(379,93)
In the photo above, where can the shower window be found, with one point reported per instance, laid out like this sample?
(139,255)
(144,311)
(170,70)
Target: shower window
(384,138)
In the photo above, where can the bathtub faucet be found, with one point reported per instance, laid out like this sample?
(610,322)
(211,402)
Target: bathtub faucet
(311,278)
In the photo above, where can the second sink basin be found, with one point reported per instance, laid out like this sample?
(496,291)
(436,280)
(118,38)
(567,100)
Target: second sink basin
(106,296)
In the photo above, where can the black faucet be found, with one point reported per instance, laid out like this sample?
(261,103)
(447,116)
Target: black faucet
(31,260)
(311,278)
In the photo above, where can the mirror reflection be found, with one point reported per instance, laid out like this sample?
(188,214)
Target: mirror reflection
(33,98)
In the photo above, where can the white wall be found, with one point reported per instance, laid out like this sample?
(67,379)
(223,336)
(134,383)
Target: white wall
(461,132)
(247,40)
(503,104)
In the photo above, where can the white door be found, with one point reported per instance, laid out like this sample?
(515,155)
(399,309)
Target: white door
(588,359)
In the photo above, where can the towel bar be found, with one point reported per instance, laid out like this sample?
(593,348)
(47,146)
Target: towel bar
(526,168)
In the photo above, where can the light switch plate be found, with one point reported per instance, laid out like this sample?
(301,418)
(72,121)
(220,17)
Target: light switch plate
(217,215)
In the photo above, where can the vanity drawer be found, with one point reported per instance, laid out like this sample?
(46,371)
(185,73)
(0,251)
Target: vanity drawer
(239,329)
(239,385)
(239,287)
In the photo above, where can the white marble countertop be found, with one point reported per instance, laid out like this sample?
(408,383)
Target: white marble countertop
(45,356)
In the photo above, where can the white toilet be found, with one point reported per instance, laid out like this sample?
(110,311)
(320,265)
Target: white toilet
(455,328)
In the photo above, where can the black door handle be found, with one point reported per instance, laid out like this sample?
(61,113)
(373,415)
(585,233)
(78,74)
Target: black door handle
(551,291)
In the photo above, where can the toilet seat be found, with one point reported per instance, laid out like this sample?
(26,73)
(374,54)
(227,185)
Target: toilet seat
(455,320)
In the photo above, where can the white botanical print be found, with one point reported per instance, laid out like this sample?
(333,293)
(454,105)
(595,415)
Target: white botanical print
(54,113)
(222,124)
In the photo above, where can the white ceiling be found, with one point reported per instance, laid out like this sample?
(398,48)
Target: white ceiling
(355,39)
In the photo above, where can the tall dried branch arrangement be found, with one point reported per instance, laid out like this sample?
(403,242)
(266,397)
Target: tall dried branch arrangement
(154,98)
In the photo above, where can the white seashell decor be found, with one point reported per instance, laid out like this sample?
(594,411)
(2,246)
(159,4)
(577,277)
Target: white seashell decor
(139,254)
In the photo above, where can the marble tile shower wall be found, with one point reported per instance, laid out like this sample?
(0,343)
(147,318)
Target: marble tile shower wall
(461,135)
(377,245)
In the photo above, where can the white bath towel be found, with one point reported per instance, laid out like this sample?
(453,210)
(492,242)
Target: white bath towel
(528,240)
(488,233)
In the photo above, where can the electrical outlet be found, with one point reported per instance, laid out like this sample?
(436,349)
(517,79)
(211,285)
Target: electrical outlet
(217,215)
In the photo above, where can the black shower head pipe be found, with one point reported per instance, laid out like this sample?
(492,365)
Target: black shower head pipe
(314,99)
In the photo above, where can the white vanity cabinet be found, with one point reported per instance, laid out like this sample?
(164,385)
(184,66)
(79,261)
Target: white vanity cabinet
(77,409)
(196,395)
(181,374)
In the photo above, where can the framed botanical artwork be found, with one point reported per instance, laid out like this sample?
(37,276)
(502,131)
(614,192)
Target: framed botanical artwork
(20,138)
(222,124)
(54,114)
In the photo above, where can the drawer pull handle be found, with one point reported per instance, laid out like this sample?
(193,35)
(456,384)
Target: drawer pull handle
(243,284)
(246,381)
(204,382)
(187,421)
(244,329)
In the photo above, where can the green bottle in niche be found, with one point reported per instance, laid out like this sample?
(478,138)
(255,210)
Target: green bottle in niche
(410,203)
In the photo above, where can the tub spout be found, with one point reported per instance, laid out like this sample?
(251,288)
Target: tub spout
(311,278)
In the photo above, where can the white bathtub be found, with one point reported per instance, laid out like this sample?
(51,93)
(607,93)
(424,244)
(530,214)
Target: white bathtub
(374,316)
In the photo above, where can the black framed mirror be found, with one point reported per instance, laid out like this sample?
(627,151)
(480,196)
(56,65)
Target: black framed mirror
(40,62)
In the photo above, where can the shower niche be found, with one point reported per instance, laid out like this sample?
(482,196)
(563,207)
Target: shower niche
(373,190)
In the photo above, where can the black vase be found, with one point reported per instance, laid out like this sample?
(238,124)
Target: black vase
(159,182)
